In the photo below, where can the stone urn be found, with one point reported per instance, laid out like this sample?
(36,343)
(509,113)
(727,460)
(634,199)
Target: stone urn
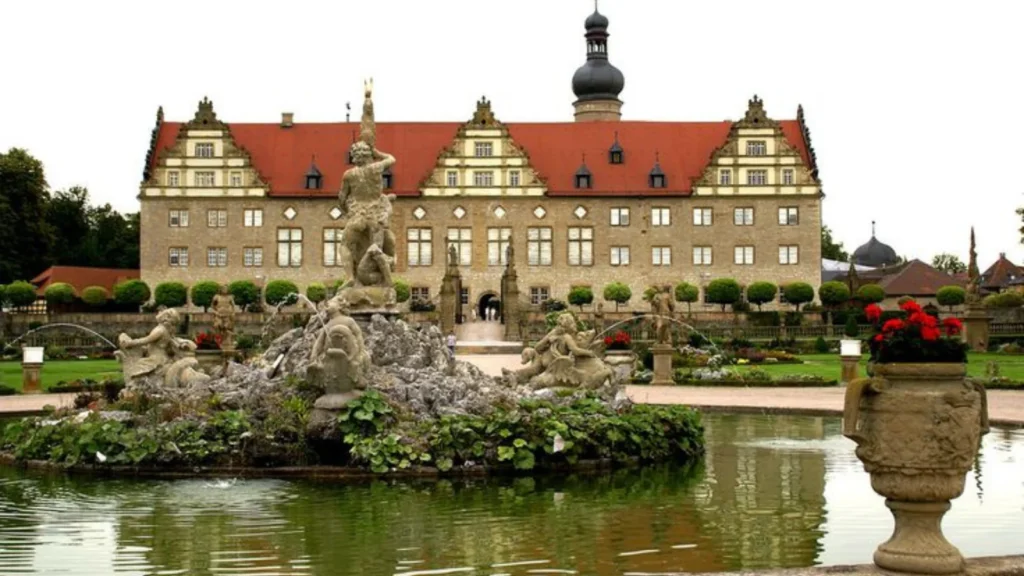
(621,363)
(918,428)
(210,359)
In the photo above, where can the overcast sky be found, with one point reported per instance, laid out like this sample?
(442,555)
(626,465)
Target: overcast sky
(914,106)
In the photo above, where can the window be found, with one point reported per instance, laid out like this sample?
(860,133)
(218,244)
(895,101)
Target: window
(172,178)
(236,178)
(789,216)
(453,178)
(539,295)
(481,149)
(657,181)
(725,177)
(464,296)
(513,178)
(420,246)
(497,246)
(702,255)
(583,180)
(216,218)
(757,148)
(787,176)
(178,257)
(483,178)
(702,216)
(538,247)
(289,247)
(620,216)
(204,149)
(661,256)
(179,218)
(252,218)
(581,246)
(313,180)
(333,239)
(743,255)
(205,178)
(420,293)
(620,256)
(216,257)
(462,240)
(757,177)
(387,179)
(743,216)
(789,255)
(252,257)
(661,217)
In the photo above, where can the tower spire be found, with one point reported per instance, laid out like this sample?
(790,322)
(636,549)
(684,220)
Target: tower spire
(873,229)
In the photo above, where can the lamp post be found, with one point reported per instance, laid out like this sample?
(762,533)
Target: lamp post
(31,369)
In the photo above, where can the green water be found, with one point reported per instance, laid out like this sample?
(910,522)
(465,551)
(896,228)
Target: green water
(772,492)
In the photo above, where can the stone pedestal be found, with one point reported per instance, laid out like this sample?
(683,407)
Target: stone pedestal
(662,364)
(976,329)
(621,362)
(850,368)
(31,378)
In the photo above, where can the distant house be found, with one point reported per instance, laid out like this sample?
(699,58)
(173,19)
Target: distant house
(1002,275)
(917,279)
(80,278)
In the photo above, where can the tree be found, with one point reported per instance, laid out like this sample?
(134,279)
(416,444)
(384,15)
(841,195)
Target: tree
(60,293)
(951,296)
(317,292)
(870,294)
(617,292)
(760,293)
(95,296)
(686,292)
(25,238)
(724,291)
(67,215)
(280,292)
(834,293)
(170,294)
(245,292)
(402,290)
(21,294)
(949,263)
(798,294)
(830,249)
(132,293)
(581,296)
(114,238)
(202,293)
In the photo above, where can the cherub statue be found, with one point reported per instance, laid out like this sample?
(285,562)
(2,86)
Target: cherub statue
(160,354)
(564,357)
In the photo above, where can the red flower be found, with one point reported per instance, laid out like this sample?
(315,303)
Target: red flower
(922,319)
(910,307)
(930,333)
(879,337)
(608,340)
(893,325)
(873,312)
(953,326)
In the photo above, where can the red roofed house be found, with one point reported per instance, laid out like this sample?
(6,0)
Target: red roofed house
(1001,275)
(914,278)
(583,203)
(81,278)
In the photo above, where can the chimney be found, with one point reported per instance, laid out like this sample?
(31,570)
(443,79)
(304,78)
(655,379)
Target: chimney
(286,119)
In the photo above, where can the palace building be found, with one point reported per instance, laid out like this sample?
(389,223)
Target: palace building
(587,202)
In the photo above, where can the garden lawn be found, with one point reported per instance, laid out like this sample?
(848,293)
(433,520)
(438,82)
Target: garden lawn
(828,365)
(55,371)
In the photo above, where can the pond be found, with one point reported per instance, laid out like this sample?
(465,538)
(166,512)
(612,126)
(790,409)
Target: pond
(774,491)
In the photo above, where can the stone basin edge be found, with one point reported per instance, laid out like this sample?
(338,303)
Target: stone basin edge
(791,411)
(980,566)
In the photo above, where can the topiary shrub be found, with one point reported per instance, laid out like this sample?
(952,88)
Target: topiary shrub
(951,296)
(904,299)
(688,293)
(95,296)
(280,291)
(820,346)
(581,296)
(316,292)
(402,290)
(203,292)
(870,294)
(617,292)
(834,293)
(60,293)
(132,293)
(724,292)
(851,330)
(760,293)
(553,305)
(1004,300)
(21,294)
(170,294)
(798,293)
(245,293)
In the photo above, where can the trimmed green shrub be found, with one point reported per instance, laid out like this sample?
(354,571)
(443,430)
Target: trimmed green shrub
(553,305)
(951,296)
(1004,300)
(245,292)
(279,291)
(20,294)
(581,296)
(760,293)
(402,290)
(170,294)
(834,293)
(688,293)
(7,390)
(904,299)
(798,293)
(617,292)
(870,294)
(724,291)
(203,292)
(132,293)
(821,346)
(245,342)
(95,296)
(851,330)
(316,292)
(60,293)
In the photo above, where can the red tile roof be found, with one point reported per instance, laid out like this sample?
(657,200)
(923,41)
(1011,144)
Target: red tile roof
(81,277)
(556,150)
(1001,273)
(914,278)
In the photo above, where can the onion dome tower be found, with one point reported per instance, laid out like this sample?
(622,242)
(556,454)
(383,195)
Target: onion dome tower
(597,84)
(875,253)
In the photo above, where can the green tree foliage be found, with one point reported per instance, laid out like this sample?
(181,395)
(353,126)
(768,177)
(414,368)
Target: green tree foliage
(3,295)
(203,292)
(25,237)
(724,291)
(316,292)
(67,216)
(245,292)
(21,294)
(851,330)
(95,296)
(834,293)
(830,249)
(688,293)
(870,294)
(170,294)
(132,293)
(279,291)
(798,293)
(617,292)
(1004,300)
(581,296)
(761,293)
(114,238)
(951,296)
(949,263)
(60,293)
(402,290)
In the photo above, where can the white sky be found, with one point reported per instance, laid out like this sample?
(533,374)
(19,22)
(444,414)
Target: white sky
(913,106)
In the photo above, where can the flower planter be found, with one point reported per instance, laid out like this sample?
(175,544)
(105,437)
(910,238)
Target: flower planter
(210,359)
(917,429)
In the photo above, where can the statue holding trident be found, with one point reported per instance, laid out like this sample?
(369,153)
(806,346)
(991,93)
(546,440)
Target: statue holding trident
(370,242)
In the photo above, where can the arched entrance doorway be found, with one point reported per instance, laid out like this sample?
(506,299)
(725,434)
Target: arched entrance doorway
(488,300)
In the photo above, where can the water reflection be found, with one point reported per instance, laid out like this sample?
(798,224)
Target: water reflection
(772,492)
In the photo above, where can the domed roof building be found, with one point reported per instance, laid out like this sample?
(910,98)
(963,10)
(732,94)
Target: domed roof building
(597,84)
(875,253)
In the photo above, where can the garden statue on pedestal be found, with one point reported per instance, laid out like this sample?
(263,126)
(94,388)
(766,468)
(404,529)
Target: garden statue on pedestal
(223,305)
(339,363)
(563,358)
(662,308)
(977,322)
(159,358)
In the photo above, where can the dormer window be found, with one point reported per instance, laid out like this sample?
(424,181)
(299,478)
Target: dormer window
(312,182)
(314,179)
(387,179)
(656,179)
(583,179)
(615,154)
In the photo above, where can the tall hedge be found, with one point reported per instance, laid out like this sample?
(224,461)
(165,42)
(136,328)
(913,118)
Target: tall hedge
(132,293)
(170,294)
(724,292)
(245,292)
(617,292)
(761,293)
(798,293)
(279,291)
(60,293)
(203,292)
(95,296)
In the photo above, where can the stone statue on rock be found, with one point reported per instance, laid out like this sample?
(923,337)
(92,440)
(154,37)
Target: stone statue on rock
(339,363)
(160,357)
(223,306)
(564,358)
